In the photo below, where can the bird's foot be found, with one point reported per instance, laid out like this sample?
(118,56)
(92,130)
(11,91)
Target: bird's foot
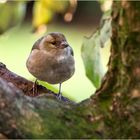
(35,88)
(59,96)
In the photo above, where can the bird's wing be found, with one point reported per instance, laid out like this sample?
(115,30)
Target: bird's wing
(36,44)
(71,51)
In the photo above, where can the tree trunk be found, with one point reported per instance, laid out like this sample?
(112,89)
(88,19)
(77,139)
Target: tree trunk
(119,94)
(112,112)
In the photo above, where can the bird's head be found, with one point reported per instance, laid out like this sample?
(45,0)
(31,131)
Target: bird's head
(54,40)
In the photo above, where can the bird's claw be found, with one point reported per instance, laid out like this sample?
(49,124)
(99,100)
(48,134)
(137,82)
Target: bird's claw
(59,96)
(35,87)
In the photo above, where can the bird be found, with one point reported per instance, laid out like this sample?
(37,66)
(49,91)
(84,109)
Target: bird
(51,60)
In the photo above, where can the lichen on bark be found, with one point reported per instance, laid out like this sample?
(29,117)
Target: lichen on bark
(123,76)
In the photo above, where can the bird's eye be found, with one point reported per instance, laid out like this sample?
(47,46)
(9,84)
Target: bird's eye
(53,43)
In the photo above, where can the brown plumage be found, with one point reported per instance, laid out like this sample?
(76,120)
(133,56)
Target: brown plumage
(51,59)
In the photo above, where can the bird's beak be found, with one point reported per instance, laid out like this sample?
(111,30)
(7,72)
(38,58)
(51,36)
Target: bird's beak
(64,44)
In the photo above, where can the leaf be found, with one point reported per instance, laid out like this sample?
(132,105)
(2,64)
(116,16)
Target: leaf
(91,59)
(56,5)
(105,32)
(44,10)
(11,14)
(91,53)
(105,4)
(41,14)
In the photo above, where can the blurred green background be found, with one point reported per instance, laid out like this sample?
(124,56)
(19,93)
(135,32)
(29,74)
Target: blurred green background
(16,44)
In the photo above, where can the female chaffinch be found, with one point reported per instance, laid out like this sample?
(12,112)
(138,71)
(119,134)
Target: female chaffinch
(51,59)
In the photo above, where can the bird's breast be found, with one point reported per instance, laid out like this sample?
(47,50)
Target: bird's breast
(50,68)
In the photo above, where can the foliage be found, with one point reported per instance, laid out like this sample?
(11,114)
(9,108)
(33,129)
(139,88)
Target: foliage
(106,5)
(91,52)
(44,10)
(11,14)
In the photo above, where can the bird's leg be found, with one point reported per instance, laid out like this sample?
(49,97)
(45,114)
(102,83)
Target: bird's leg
(59,95)
(35,87)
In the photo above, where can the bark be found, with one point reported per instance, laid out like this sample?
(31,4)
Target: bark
(120,91)
(25,85)
(112,112)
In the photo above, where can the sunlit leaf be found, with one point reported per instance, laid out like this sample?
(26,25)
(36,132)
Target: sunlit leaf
(56,5)
(91,52)
(41,14)
(106,4)
(44,10)
(91,59)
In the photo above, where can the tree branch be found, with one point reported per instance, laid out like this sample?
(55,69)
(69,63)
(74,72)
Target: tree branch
(25,85)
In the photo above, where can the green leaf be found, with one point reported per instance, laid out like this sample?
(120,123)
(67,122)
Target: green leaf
(91,59)
(11,14)
(91,52)
(105,31)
